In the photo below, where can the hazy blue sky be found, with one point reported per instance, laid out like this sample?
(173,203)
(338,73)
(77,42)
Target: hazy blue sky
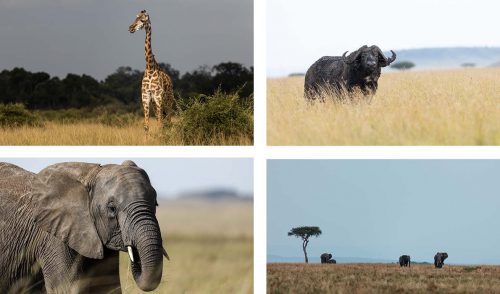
(91,36)
(300,32)
(385,208)
(170,176)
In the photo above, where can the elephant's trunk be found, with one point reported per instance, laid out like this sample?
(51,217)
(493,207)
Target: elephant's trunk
(145,251)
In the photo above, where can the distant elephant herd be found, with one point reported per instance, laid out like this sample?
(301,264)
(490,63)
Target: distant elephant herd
(404,260)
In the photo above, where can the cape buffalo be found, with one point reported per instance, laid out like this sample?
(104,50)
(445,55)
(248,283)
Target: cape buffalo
(360,69)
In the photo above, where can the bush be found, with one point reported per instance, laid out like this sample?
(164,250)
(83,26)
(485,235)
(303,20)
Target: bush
(117,119)
(111,115)
(210,119)
(16,115)
(403,65)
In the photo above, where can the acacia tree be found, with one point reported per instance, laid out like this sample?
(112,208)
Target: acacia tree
(403,65)
(305,233)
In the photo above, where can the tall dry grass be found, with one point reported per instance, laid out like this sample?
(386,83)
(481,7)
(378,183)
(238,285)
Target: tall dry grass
(210,245)
(90,134)
(381,278)
(456,107)
(53,133)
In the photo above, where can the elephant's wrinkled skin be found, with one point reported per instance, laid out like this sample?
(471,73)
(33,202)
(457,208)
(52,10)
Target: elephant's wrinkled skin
(61,230)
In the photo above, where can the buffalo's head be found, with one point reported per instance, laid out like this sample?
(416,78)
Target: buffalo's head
(369,58)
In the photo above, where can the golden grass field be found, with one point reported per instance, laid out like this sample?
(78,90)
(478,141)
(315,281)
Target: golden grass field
(453,107)
(210,246)
(90,134)
(381,278)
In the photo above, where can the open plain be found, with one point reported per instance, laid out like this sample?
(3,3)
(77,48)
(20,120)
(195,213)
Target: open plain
(381,278)
(445,107)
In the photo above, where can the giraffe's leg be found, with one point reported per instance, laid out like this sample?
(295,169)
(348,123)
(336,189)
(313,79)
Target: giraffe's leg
(146,98)
(158,107)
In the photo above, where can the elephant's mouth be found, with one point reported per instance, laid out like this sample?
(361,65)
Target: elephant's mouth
(135,257)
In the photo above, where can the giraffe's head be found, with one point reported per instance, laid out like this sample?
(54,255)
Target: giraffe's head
(141,21)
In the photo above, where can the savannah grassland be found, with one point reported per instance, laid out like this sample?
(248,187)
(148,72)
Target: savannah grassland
(381,278)
(220,119)
(453,107)
(210,246)
(90,134)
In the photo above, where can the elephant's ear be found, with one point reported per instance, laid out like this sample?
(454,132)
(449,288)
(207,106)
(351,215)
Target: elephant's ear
(129,163)
(62,210)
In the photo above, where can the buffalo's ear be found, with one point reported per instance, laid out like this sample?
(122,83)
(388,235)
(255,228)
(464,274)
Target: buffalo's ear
(355,58)
(62,210)
(382,60)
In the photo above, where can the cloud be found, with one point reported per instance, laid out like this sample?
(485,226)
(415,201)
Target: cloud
(35,3)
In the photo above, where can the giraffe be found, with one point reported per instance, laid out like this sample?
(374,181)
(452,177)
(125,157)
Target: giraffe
(156,84)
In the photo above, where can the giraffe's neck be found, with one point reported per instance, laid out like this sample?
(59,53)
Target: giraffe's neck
(148,51)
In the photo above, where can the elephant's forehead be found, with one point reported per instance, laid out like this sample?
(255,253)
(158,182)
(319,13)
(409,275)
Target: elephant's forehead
(126,181)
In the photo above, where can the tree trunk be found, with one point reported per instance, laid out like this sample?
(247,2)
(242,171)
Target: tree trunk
(304,245)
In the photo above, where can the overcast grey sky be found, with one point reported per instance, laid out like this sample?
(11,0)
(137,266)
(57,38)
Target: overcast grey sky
(300,32)
(385,208)
(91,36)
(170,176)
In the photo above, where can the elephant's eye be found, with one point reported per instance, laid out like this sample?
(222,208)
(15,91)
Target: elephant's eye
(111,210)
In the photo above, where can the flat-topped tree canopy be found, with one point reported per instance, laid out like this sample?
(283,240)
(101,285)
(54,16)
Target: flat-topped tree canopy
(305,233)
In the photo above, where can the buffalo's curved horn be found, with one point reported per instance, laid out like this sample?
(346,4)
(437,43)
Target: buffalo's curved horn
(343,55)
(392,58)
(353,56)
(384,61)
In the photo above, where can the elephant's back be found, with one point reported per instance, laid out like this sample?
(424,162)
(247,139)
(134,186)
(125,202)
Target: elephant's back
(14,182)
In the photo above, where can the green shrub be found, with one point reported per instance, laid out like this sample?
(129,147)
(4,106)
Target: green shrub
(111,115)
(16,115)
(117,119)
(206,120)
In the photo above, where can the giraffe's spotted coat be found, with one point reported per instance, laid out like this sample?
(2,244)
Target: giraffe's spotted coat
(156,84)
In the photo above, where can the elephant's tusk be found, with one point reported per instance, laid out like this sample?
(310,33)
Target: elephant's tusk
(165,253)
(130,254)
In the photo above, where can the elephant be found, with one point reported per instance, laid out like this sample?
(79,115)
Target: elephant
(61,229)
(439,259)
(327,258)
(404,260)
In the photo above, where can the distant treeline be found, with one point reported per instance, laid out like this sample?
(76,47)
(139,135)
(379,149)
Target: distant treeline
(40,91)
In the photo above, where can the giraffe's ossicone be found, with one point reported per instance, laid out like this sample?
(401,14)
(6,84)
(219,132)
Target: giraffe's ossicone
(156,84)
